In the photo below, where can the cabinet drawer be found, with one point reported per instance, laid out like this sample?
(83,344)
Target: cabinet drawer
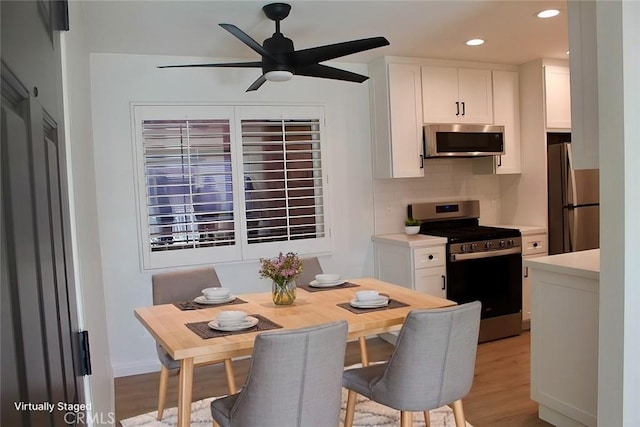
(534,244)
(428,257)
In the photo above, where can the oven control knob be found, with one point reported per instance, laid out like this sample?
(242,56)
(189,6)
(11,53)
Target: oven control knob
(488,245)
(502,243)
(511,242)
(474,246)
(464,247)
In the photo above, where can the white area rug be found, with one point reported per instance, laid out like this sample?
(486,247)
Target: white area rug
(368,413)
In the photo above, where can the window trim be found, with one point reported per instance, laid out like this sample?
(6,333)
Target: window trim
(242,250)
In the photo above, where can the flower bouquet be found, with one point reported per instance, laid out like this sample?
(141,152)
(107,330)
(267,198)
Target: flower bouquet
(282,271)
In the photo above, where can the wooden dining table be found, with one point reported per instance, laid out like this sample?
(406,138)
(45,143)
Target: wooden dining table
(168,324)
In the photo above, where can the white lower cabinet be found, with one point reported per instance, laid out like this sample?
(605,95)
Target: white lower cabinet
(533,245)
(417,262)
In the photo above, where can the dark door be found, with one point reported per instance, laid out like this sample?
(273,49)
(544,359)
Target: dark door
(39,318)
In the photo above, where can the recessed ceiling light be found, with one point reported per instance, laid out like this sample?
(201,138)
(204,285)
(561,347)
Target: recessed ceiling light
(475,42)
(549,13)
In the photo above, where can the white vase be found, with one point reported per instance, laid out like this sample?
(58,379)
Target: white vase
(412,229)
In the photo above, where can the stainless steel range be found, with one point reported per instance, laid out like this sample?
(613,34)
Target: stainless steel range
(483,263)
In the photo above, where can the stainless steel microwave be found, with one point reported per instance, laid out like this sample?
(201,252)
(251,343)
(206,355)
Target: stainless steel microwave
(462,140)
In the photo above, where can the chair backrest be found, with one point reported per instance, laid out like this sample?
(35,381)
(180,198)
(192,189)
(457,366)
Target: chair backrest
(295,378)
(434,359)
(182,285)
(310,267)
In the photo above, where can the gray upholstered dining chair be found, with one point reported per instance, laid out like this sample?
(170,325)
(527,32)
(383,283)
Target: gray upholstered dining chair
(294,380)
(310,267)
(432,365)
(177,286)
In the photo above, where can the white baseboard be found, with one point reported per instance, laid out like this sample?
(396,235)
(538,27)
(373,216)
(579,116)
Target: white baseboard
(135,368)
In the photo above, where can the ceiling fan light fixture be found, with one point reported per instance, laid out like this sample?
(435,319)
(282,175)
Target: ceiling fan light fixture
(548,13)
(278,75)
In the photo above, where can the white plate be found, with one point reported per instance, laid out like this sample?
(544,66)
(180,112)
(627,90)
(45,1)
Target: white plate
(382,302)
(251,322)
(202,300)
(315,284)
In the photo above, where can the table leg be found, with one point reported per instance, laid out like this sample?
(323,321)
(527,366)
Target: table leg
(184,392)
(364,355)
(231,379)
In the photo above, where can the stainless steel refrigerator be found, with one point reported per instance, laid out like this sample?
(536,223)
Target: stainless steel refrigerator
(574,197)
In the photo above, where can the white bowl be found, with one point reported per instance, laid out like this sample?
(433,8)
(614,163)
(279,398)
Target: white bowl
(231,317)
(323,279)
(368,295)
(216,293)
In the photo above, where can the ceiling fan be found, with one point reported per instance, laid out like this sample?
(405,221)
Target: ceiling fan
(280,61)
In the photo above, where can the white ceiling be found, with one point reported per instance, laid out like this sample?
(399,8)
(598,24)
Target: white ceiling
(429,29)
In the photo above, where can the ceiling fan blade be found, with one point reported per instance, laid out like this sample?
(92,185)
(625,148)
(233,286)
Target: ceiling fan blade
(254,64)
(256,85)
(326,72)
(246,39)
(324,53)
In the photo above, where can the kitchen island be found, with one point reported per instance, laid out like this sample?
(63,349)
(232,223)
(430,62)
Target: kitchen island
(564,337)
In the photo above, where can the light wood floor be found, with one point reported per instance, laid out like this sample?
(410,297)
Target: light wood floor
(499,396)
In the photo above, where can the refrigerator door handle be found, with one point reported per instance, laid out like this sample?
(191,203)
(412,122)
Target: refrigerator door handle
(572,194)
(573,228)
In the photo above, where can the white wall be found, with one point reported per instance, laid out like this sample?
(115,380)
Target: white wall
(118,80)
(444,180)
(619,130)
(82,195)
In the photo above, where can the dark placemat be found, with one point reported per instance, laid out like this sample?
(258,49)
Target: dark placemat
(192,305)
(310,288)
(392,304)
(203,330)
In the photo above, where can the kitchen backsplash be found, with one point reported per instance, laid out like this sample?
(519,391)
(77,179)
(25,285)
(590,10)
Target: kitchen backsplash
(444,180)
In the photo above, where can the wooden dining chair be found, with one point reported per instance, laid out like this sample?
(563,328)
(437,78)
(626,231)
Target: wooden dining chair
(432,365)
(294,380)
(177,286)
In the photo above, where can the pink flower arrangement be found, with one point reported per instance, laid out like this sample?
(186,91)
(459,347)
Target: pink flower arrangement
(281,269)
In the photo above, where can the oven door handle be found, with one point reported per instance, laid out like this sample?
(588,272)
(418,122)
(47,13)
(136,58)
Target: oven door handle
(487,254)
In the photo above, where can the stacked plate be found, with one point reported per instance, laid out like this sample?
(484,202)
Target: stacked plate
(233,320)
(327,281)
(369,299)
(215,296)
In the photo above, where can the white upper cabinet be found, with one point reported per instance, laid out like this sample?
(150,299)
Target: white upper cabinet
(506,112)
(396,108)
(456,95)
(584,84)
(557,97)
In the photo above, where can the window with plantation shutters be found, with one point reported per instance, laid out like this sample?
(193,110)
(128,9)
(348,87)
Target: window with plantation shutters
(283,180)
(189,192)
(225,183)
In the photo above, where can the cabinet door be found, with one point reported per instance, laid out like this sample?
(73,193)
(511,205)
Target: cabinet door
(506,101)
(440,95)
(584,84)
(475,96)
(432,281)
(557,90)
(526,292)
(405,108)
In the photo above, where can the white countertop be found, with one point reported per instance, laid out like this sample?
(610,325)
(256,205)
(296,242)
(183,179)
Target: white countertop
(583,264)
(413,240)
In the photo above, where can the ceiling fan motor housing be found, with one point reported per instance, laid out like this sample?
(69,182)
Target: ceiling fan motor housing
(279,46)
